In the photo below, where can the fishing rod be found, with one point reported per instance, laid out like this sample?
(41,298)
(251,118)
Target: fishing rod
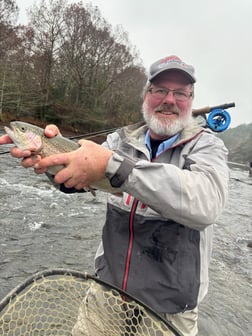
(93,134)
(208,109)
(218,120)
(7,152)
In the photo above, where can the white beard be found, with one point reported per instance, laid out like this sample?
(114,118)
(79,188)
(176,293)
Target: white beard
(164,127)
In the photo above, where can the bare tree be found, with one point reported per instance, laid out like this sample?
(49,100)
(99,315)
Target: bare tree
(8,12)
(8,15)
(93,59)
(46,20)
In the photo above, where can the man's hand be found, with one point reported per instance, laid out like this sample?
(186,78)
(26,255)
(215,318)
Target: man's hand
(30,160)
(83,167)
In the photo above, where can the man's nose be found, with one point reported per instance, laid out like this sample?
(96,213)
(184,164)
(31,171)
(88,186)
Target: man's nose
(169,97)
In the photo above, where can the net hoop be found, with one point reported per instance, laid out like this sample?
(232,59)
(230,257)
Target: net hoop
(112,294)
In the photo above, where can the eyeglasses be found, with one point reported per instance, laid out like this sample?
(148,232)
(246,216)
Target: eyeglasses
(178,94)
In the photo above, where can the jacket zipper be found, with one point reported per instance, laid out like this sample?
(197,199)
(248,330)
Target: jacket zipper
(130,246)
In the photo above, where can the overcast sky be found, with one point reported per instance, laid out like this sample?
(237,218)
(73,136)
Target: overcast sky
(214,36)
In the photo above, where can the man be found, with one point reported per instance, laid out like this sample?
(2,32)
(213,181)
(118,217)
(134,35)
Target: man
(157,238)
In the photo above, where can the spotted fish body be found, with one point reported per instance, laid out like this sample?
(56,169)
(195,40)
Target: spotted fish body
(30,137)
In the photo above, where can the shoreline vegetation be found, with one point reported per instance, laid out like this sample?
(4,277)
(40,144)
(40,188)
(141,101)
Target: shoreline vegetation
(67,131)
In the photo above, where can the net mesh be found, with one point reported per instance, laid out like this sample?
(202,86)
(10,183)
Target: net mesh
(67,303)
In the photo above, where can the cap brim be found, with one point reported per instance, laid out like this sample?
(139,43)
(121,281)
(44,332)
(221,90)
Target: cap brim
(189,76)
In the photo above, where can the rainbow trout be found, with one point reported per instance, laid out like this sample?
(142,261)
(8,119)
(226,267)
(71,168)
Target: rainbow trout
(31,137)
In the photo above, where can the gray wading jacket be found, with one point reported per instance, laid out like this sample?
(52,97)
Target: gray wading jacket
(157,238)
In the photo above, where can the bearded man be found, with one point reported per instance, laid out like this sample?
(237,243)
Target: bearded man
(173,178)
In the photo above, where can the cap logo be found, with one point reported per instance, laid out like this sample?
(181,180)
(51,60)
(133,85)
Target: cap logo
(170,60)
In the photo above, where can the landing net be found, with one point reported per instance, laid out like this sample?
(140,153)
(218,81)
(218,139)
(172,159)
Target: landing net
(65,302)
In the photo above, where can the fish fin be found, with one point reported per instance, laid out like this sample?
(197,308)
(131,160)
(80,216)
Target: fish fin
(90,189)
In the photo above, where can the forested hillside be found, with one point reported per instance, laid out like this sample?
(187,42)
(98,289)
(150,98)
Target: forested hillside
(239,143)
(68,66)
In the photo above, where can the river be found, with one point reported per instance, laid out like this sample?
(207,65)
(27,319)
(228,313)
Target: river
(42,228)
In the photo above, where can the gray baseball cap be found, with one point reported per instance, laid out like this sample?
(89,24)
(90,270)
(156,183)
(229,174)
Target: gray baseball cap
(171,63)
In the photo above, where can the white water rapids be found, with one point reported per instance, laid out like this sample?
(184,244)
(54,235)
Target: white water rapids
(42,228)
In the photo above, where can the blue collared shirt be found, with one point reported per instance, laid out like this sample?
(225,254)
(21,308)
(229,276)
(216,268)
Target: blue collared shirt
(163,146)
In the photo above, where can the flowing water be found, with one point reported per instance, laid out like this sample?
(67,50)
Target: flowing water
(42,228)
